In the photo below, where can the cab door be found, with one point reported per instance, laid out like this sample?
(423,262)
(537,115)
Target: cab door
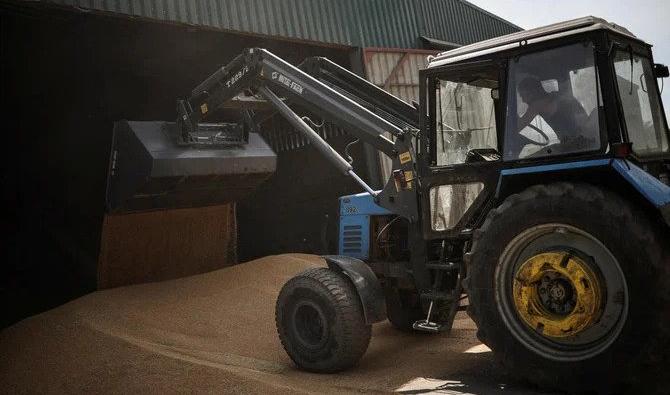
(460,174)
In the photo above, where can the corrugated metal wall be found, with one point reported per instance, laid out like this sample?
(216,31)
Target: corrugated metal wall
(397,72)
(360,23)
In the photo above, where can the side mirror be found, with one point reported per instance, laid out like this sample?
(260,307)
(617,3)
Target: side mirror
(661,71)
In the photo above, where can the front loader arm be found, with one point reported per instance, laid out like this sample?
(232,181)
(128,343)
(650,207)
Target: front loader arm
(364,92)
(263,74)
(257,67)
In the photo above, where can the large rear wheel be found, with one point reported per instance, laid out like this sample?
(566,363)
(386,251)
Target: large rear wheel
(567,284)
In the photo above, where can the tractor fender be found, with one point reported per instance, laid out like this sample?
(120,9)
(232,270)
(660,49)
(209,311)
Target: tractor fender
(367,285)
(651,188)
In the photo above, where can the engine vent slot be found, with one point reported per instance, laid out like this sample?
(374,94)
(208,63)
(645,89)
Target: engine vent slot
(352,241)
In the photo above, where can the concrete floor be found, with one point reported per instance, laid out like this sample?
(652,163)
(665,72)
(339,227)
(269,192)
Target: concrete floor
(215,332)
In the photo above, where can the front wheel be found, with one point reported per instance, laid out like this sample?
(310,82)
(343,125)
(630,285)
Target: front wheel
(403,308)
(567,286)
(320,321)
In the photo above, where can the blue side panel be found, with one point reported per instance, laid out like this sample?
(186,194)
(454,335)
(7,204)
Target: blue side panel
(655,191)
(355,212)
(650,187)
(550,168)
(556,166)
(360,203)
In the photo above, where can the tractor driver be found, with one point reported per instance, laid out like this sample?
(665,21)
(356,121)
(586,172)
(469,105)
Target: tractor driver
(562,112)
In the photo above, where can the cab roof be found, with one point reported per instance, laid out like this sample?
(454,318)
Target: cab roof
(544,33)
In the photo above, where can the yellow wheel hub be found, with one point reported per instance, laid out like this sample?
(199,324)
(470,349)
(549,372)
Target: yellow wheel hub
(557,294)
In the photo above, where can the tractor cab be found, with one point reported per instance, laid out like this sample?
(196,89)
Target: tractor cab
(572,95)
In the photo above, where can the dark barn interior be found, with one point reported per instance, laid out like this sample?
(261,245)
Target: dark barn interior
(66,78)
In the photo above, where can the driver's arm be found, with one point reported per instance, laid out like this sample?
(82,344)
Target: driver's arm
(527,118)
(516,141)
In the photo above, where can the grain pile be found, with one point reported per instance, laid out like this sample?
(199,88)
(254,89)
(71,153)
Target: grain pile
(213,332)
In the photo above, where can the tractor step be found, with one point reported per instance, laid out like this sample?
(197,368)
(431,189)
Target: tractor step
(428,326)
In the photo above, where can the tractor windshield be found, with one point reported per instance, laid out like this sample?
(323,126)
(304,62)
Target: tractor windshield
(641,104)
(554,105)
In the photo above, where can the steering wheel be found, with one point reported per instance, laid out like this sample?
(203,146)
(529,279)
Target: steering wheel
(541,132)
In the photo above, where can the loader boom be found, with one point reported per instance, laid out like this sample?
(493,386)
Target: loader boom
(343,98)
(362,91)
(258,67)
(331,93)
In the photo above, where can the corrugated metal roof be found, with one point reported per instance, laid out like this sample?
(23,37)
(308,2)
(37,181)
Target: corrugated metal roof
(361,23)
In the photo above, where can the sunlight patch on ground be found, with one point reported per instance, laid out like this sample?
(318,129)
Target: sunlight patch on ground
(422,385)
(477,349)
(434,386)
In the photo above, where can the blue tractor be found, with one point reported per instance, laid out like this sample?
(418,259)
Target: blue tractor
(529,185)
(543,197)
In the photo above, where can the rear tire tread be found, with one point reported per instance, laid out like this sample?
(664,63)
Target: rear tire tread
(599,200)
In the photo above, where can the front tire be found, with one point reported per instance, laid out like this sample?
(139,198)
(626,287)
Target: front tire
(320,321)
(403,308)
(567,285)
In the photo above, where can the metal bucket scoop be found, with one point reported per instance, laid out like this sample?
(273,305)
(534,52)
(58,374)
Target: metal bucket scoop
(151,168)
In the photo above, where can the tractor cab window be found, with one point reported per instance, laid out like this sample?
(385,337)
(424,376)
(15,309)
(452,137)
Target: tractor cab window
(465,122)
(640,103)
(554,105)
